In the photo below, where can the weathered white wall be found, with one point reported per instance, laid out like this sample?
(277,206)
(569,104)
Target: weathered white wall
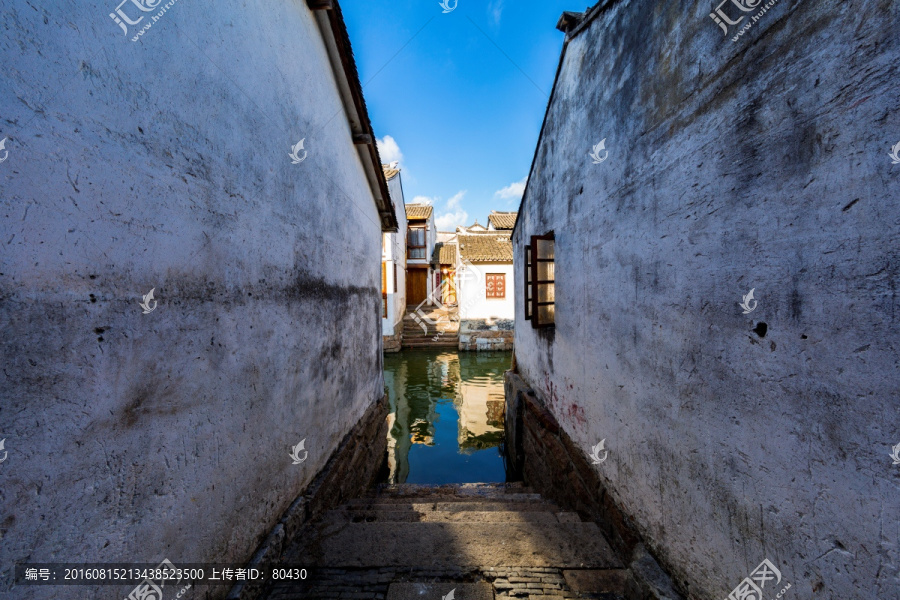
(473,301)
(394,252)
(164,164)
(760,164)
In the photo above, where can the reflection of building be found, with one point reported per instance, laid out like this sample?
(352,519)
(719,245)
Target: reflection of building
(398,441)
(417,382)
(480,409)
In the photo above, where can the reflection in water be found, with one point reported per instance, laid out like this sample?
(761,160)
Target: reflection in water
(446,419)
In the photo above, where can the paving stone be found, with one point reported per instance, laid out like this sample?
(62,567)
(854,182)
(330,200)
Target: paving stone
(435,591)
(596,580)
(459,544)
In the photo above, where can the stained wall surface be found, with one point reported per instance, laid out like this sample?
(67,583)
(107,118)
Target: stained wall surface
(163,164)
(757,164)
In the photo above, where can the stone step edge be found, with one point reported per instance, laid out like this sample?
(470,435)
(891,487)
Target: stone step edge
(459,488)
(439,516)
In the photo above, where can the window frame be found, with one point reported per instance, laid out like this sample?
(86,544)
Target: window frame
(535,283)
(384,293)
(527,289)
(486,290)
(423,247)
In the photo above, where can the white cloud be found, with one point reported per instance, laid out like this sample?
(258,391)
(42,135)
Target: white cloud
(513,191)
(454,201)
(423,200)
(388,150)
(495,9)
(454,215)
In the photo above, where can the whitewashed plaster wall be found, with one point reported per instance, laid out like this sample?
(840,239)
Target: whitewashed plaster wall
(758,164)
(164,164)
(473,300)
(395,254)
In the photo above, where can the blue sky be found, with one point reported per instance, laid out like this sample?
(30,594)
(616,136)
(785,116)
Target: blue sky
(461,117)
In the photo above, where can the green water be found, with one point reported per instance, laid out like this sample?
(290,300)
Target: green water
(446,420)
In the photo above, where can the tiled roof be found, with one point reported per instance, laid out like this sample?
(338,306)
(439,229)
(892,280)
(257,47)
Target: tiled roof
(444,254)
(390,171)
(502,220)
(418,211)
(486,247)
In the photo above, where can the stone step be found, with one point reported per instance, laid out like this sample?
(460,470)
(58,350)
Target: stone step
(444,516)
(467,490)
(469,506)
(445,498)
(431,332)
(444,545)
(428,337)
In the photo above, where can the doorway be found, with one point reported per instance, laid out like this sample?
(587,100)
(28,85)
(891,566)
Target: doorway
(416,286)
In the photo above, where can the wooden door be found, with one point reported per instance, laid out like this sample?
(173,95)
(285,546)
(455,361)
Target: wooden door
(416,286)
(448,288)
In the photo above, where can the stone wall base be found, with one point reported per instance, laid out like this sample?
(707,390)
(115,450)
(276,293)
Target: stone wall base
(352,468)
(480,334)
(392,343)
(545,457)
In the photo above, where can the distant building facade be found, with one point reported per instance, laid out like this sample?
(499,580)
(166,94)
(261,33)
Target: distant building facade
(501,221)
(421,236)
(485,289)
(393,266)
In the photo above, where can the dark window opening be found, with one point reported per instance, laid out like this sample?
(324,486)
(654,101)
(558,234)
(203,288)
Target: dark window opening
(415,242)
(542,254)
(527,293)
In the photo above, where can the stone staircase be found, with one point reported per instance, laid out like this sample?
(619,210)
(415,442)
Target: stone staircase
(445,334)
(483,541)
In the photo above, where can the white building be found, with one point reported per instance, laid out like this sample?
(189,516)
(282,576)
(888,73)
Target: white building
(501,221)
(485,289)
(393,267)
(421,235)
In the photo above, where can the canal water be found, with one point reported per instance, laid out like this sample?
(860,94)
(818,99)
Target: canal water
(446,416)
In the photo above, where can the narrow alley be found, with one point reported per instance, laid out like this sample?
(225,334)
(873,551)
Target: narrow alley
(450,300)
